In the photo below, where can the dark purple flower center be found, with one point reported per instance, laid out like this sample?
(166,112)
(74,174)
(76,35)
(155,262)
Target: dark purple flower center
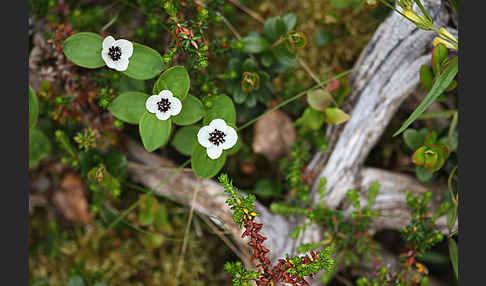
(163,105)
(115,53)
(217,137)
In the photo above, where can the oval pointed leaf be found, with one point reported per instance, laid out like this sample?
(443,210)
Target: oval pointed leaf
(145,63)
(319,99)
(154,132)
(426,77)
(84,49)
(219,106)
(129,106)
(33,108)
(254,44)
(439,55)
(185,138)
(192,111)
(418,158)
(204,166)
(176,79)
(335,116)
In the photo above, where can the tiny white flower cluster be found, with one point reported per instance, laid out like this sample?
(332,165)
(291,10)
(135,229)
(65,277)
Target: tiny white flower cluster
(215,137)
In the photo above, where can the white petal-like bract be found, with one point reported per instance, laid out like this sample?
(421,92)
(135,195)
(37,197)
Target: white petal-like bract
(175,106)
(162,115)
(121,64)
(126,48)
(218,124)
(214,152)
(230,138)
(203,136)
(151,103)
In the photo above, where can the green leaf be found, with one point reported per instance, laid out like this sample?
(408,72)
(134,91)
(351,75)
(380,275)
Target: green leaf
(145,63)
(415,139)
(125,83)
(453,253)
(284,58)
(176,79)
(254,44)
(99,283)
(39,146)
(423,174)
(129,106)
(274,28)
(290,20)
(116,163)
(219,106)
(75,281)
(185,138)
(154,132)
(311,119)
(33,108)
(418,158)
(192,111)
(204,166)
(335,116)
(319,99)
(440,84)
(426,77)
(84,49)
(430,138)
(439,56)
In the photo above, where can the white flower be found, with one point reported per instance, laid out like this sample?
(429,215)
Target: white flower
(116,53)
(216,137)
(164,105)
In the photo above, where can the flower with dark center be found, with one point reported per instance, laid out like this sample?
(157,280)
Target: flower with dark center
(216,137)
(116,53)
(164,105)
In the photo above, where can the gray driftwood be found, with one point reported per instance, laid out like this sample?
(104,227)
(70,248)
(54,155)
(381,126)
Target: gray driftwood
(388,71)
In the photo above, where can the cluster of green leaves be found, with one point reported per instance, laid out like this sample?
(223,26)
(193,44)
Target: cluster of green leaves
(430,152)
(241,276)
(246,82)
(241,206)
(270,46)
(445,70)
(348,236)
(324,261)
(421,233)
(130,107)
(431,155)
(292,166)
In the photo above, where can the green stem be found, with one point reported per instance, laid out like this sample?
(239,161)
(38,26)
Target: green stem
(293,98)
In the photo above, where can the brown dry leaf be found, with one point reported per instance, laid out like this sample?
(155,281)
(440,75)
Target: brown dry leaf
(71,199)
(273,136)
